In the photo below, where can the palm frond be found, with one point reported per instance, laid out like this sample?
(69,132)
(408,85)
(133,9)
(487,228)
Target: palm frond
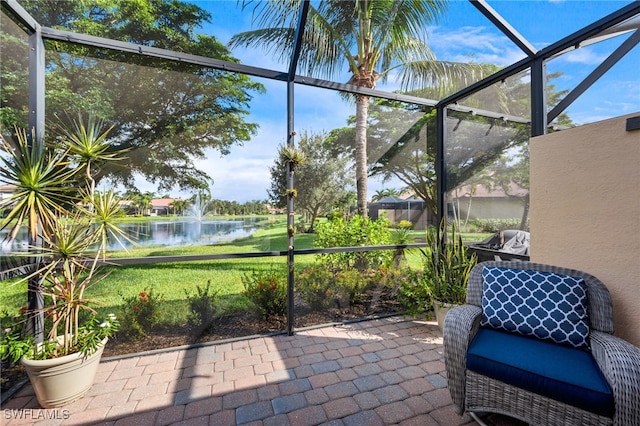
(443,75)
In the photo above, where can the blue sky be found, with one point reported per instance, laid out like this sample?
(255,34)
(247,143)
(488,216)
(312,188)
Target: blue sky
(463,34)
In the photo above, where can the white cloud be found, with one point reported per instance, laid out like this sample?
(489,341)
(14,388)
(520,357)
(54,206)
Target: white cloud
(583,56)
(477,44)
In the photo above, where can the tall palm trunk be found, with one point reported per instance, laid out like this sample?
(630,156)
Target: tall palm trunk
(362,113)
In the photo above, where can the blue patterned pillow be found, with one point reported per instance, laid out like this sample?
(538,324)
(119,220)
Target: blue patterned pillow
(532,303)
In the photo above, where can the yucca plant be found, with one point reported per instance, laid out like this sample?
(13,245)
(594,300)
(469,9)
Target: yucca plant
(56,199)
(104,209)
(41,178)
(89,145)
(447,265)
(69,267)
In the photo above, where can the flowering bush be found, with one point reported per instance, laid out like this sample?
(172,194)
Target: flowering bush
(267,290)
(141,312)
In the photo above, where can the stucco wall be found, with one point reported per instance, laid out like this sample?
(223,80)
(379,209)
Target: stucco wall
(585,210)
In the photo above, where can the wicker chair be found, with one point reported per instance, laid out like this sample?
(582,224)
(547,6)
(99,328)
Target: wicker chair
(618,361)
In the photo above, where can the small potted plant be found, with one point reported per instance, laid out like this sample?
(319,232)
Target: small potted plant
(56,198)
(447,265)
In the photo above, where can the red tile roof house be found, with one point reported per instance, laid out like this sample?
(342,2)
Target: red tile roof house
(162,206)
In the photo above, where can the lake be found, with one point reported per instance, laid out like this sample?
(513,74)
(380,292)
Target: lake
(170,233)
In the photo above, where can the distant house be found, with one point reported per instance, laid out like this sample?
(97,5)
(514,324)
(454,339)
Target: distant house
(6,191)
(275,210)
(479,202)
(396,209)
(162,206)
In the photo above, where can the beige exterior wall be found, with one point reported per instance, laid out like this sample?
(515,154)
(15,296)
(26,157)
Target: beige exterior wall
(585,210)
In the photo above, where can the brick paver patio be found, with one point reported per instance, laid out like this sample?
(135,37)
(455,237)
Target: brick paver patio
(377,372)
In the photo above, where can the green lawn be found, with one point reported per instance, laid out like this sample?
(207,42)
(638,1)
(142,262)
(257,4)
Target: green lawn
(174,280)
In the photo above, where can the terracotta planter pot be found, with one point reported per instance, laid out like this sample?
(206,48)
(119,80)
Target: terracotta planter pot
(60,381)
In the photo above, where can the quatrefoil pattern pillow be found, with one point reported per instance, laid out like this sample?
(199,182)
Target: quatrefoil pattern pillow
(533,303)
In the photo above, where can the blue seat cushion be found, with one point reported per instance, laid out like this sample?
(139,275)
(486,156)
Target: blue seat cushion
(556,371)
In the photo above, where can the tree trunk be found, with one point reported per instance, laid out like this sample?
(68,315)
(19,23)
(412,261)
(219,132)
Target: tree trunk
(362,112)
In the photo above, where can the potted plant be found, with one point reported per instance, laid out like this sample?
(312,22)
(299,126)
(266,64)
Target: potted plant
(447,265)
(55,195)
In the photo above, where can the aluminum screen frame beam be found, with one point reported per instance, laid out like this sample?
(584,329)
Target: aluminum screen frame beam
(293,65)
(570,42)
(600,70)
(23,17)
(504,26)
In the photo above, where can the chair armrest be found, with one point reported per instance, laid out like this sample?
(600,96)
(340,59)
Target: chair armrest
(619,361)
(460,326)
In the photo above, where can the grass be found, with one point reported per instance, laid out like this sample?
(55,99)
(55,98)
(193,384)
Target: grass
(174,280)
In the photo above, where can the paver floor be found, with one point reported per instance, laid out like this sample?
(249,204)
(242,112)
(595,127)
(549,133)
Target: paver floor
(377,372)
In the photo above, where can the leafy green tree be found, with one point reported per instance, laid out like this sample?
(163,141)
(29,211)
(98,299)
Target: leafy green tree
(14,77)
(321,183)
(406,155)
(370,38)
(166,114)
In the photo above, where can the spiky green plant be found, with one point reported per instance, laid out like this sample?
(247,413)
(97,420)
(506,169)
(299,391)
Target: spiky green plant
(89,145)
(447,265)
(293,155)
(41,178)
(61,210)
(105,208)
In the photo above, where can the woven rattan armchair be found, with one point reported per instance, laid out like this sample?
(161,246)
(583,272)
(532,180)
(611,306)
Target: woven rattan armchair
(618,361)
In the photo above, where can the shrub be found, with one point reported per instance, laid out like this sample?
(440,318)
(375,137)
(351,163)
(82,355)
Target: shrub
(415,294)
(351,286)
(358,231)
(405,224)
(334,214)
(315,285)
(496,225)
(141,313)
(321,288)
(267,289)
(202,306)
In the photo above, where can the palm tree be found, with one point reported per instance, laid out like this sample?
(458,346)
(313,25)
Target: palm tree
(384,193)
(142,202)
(179,206)
(373,38)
